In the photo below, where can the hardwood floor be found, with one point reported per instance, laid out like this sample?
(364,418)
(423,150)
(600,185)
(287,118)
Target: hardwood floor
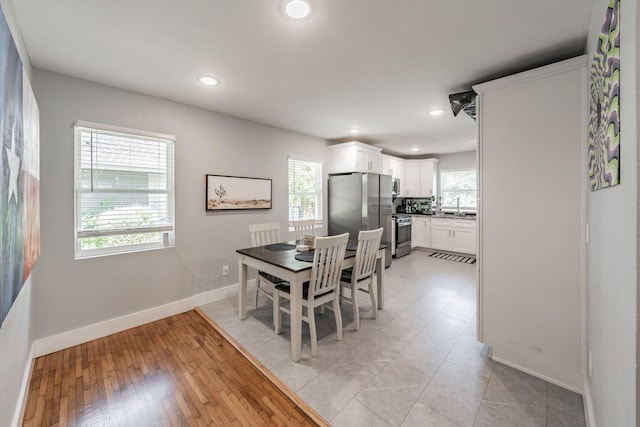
(178,371)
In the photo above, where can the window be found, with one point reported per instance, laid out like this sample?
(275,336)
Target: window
(458,185)
(123,190)
(305,190)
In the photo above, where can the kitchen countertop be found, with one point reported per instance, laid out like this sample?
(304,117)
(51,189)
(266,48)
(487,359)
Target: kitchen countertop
(450,216)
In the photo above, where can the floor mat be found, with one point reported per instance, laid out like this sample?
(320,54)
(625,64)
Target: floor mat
(452,257)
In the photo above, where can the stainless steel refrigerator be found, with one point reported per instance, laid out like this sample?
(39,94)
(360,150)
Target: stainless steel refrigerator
(361,201)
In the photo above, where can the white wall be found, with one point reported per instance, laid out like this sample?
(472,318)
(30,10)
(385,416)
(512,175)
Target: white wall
(612,256)
(16,335)
(531,261)
(69,294)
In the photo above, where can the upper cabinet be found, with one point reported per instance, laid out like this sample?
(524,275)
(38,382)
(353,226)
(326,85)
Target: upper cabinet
(390,165)
(421,178)
(428,177)
(393,166)
(355,156)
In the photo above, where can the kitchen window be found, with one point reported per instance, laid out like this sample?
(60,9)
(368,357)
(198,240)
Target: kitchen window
(305,190)
(124,190)
(458,185)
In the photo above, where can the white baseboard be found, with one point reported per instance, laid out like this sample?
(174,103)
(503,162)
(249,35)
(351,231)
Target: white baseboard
(537,375)
(24,388)
(588,404)
(102,329)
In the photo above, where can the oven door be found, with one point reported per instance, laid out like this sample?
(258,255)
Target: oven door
(403,234)
(403,239)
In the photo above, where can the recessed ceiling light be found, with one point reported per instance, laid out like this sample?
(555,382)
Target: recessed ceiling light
(208,80)
(415,149)
(436,112)
(355,130)
(297,9)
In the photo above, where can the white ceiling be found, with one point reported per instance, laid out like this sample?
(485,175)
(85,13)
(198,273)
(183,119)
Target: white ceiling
(379,65)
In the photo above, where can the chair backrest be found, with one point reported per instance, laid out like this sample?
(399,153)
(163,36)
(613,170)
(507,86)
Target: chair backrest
(304,227)
(327,264)
(366,254)
(264,234)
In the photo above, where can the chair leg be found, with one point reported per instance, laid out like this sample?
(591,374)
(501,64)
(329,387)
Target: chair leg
(257,292)
(336,312)
(374,305)
(354,302)
(277,315)
(312,331)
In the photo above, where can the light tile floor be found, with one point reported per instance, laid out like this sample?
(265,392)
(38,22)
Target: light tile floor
(417,364)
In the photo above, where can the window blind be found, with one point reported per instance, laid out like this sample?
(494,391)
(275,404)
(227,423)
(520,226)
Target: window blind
(124,191)
(305,190)
(458,184)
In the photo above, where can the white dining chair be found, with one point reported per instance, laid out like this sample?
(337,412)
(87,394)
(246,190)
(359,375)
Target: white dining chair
(361,275)
(322,287)
(304,228)
(261,235)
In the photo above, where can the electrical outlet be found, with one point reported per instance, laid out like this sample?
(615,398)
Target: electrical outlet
(225,270)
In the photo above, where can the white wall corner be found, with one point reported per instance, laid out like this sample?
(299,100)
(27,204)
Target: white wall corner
(24,389)
(94,331)
(588,404)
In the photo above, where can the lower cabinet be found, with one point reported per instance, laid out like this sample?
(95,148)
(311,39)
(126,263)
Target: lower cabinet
(456,235)
(420,231)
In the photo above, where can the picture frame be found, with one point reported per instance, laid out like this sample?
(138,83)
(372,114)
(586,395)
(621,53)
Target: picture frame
(225,193)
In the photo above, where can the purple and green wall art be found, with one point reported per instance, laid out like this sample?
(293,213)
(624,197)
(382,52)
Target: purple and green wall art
(604,111)
(19,173)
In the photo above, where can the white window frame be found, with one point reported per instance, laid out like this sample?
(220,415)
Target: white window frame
(167,230)
(320,193)
(442,190)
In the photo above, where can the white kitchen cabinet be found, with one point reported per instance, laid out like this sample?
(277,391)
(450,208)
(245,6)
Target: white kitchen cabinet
(402,175)
(354,156)
(440,234)
(390,165)
(421,231)
(455,235)
(421,178)
(428,177)
(412,186)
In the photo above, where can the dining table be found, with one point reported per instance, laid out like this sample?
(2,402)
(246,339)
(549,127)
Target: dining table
(280,260)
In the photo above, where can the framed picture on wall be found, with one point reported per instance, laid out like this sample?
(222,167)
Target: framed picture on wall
(237,193)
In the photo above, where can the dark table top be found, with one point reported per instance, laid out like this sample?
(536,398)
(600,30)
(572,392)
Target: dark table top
(285,259)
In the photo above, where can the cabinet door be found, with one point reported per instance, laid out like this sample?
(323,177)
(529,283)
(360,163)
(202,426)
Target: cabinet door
(374,162)
(464,240)
(392,168)
(416,238)
(417,232)
(427,232)
(413,179)
(386,166)
(402,176)
(362,161)
(427,177)
(441,237)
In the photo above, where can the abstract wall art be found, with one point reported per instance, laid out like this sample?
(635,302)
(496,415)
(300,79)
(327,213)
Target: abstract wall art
(19,173)
(604,106)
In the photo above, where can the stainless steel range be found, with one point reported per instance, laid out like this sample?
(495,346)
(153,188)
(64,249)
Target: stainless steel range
(402,234)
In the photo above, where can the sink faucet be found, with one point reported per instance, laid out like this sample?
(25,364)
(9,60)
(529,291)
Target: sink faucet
(458,206)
